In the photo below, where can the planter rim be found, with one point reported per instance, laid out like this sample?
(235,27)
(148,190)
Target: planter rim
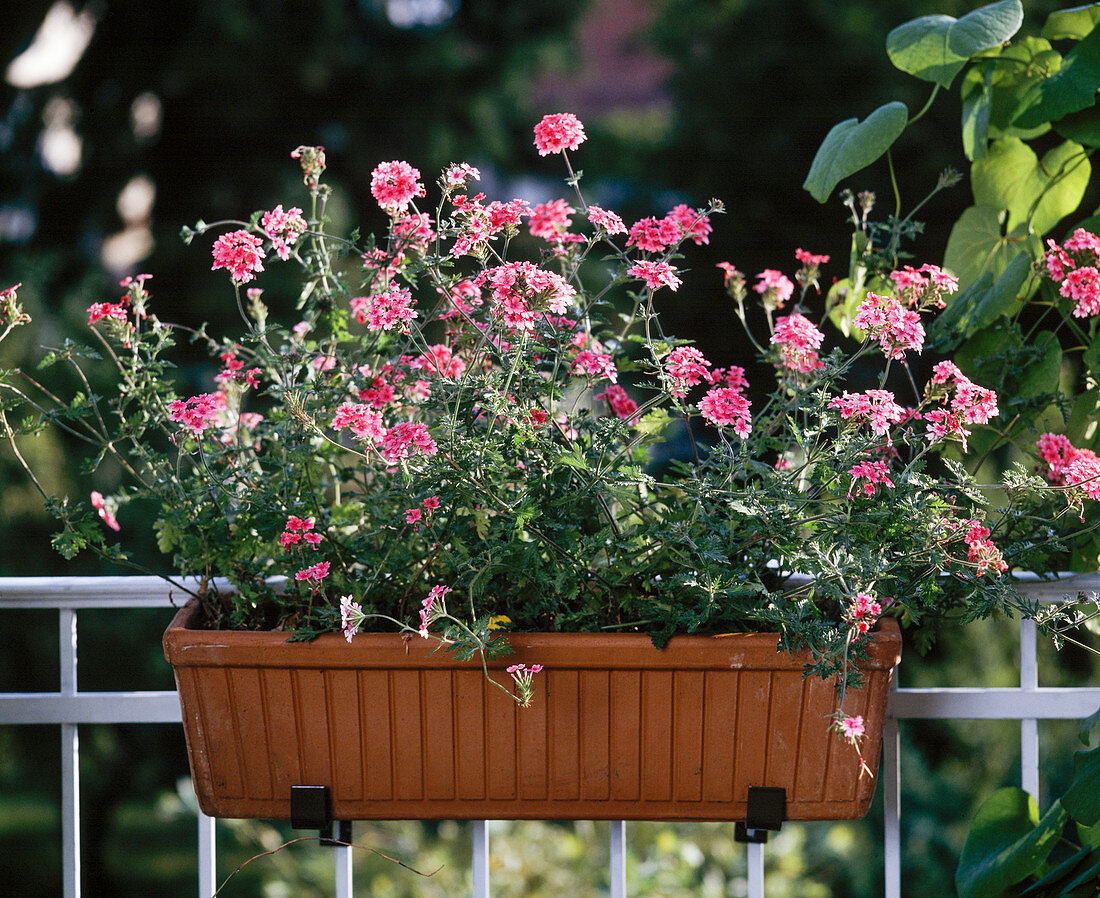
(187,645)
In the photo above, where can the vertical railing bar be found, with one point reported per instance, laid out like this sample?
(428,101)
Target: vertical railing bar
(1029,728)
(208,867)
(755,860)
(891,794)
(70,761)
(481,858)
(345,887)
(618,859)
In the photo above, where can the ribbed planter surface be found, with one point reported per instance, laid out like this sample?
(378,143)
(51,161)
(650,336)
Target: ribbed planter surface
(617,729)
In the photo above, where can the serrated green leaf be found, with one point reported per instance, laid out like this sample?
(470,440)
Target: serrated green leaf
(1043,375)
(936,48)
(852,145)
(1007,842)
(1076,23)
(1082,798)
(653,422)
(1071,89)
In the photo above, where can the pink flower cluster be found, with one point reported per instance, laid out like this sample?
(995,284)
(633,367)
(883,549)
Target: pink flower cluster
(1069,466)
(980,550)
(810,269)
(606,221)
(283,229)
(198,413)
(683,368)
(655,235)
(864,612)
(428,609)
(112,311)
(395,185)
(406,439)
(874,407)
(798,340)
(551,221)
(969,404)
(558,132)
(726,407)
(414,515)
(523,675)
(896,328)
(774,287)
(312,160)
(924,287)
(363,421)
(241,254)
(1078,274)
(314,574)
(386,310)
(871,473)
(522,291)
(594,366)
(100,505)
(655,274)
(298,530)
(619,402)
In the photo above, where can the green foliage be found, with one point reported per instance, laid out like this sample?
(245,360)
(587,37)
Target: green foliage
(852,145)
(1011,851)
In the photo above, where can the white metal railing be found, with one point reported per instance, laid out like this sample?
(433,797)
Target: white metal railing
(70,707)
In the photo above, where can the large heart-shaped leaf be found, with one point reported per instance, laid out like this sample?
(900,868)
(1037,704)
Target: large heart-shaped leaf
(1071,24)
(853,145)
(1007,842)
(1016,68)
(1071,89)
(935,48)
(977,95)
(1040,193)
(978,245)
(1082,798)
(1082,127)
(1044,374)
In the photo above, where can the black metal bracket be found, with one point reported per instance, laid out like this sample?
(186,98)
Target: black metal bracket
(766,810)
(311,808)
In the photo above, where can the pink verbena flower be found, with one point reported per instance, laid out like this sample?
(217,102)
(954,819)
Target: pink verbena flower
(692,223)
(654,235)
(851,728)
(363,421)
(440,359)
(558,132)
(617,399)
(872,473)
(351,616)
(896,328)
(313,574)
(385,311)
(283,229)
(114,311)
(312,160)
(606,221)
(522,290)
(798,340)
(241,254)
(523,676)
(101,507)
(1057,451)
(726,406)
(395,185)
(980,550)
(550,220)
(655,274)
(810,269)
(594,366)
(1083,286)
(198,413)
(457,174)
(1084,242)
(405,439)
(874,407)
(863,613)
(1056,262)
(774,287)
(685,367)
(428,609)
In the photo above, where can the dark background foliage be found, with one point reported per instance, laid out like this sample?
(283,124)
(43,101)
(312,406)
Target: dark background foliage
(683,100)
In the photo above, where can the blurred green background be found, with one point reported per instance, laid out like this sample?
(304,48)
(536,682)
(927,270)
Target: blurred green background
(123,120)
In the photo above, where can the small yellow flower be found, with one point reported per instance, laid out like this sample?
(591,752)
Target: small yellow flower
(499,621)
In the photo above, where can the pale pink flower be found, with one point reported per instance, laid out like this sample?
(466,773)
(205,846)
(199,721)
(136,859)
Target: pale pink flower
(1082,241)
(727,407)
(550,220)
(558,132)
(655,274)
(351,616)
(852,728)
(395,185)
(457,174)
(241,254)
(100,505)
(1056,261)
(385,311)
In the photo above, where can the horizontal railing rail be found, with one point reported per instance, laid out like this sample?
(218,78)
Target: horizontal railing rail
(68,708)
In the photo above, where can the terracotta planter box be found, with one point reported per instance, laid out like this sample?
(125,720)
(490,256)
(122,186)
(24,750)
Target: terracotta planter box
(617,730)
